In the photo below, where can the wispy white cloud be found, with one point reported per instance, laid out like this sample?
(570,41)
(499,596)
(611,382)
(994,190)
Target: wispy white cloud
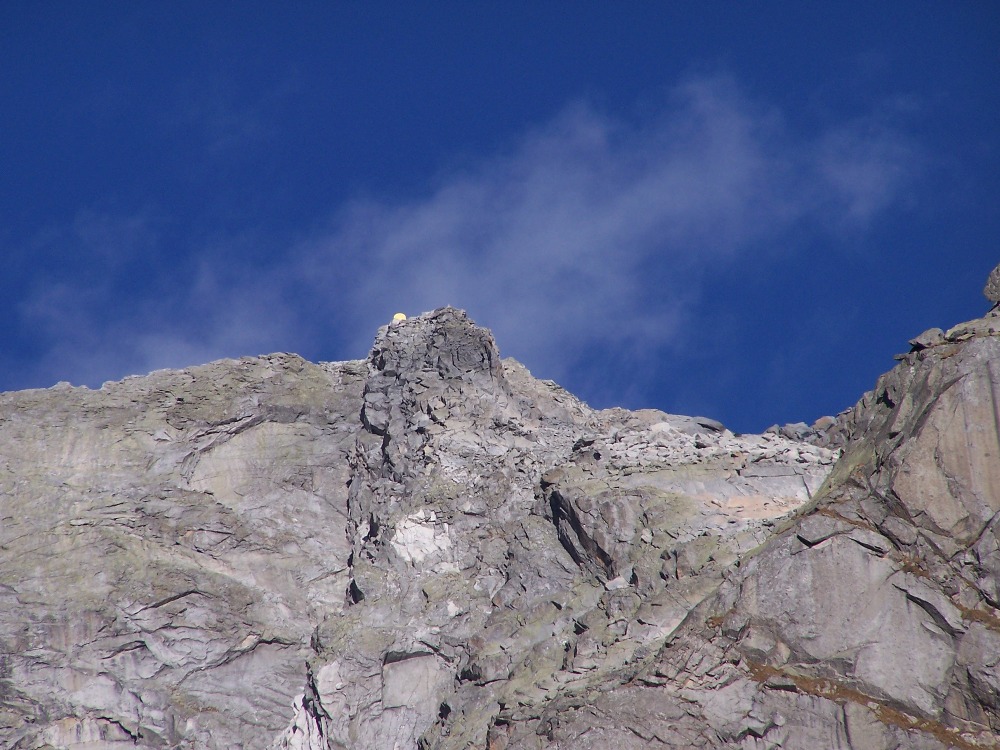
(863,165)
(102,324)
(595,231)
(592,233)
(229,121)
(113,238)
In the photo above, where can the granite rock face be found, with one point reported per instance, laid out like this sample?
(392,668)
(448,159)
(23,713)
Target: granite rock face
(992,288)
(433,549)
(164,544)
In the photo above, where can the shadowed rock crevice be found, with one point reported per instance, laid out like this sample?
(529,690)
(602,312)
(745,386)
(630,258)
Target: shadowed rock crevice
(581,547)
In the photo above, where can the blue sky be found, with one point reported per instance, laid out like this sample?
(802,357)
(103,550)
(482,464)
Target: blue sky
(735,209)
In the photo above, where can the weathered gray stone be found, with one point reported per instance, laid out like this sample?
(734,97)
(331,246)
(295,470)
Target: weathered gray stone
(930,337)
(433,549)
(165,544)
(992,288)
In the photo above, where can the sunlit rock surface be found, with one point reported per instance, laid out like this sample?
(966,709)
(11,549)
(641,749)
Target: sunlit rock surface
(434,549)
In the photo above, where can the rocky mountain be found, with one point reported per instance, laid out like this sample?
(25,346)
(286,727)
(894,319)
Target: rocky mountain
(433,549)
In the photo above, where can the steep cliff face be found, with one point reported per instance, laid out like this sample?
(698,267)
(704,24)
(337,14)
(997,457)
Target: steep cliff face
(510,545)
(869,622)
(434,549)
(166,542)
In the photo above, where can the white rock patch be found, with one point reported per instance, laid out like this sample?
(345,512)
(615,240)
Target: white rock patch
(419,535)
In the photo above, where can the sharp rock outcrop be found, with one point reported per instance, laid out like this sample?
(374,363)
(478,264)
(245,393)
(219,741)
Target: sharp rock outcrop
(433,549)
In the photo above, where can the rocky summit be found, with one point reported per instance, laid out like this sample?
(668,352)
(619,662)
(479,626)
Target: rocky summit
(434,549)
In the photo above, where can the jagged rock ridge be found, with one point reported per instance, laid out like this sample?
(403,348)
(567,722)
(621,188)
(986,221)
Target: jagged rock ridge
(434,549)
